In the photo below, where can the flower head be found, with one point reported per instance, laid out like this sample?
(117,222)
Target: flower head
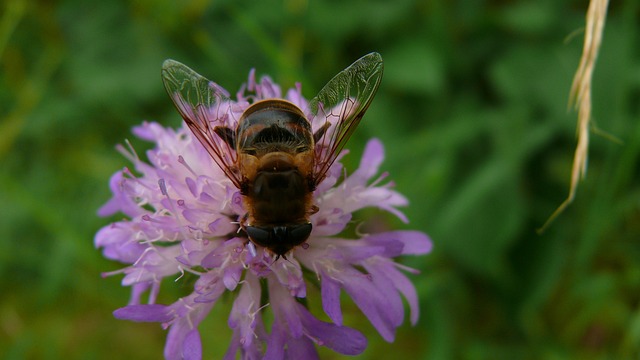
(183,216)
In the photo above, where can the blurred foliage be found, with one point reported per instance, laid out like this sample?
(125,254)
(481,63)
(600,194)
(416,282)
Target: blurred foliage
(473,113)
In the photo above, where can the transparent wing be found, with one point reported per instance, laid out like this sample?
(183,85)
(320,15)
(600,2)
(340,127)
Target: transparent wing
(205,107)
(340,106)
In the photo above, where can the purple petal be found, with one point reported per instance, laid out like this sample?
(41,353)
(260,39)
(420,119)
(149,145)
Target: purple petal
(281,345)
(233,347)
(289,274)
(229,249)
(251,83)
(192,346)
(117,241)
(120,201)
(302,348)
(208,287)
(295,96)
(268,89)
(253,352)
(181,330)
(245,319)
(148,131)
(237,203)
(138,289)
(144,313)
(214,225)
(284,309)
(276,343)
(392,309)
(355,254)
(175,341)
(407,289)
(232,275)
(415,242)
(342,339)
(332,224)
(330,291)
(371,301)
(195,215)
(213,260)
(371,158)
(193,187)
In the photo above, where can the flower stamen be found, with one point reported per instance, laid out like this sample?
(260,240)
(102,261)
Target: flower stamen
(182,161)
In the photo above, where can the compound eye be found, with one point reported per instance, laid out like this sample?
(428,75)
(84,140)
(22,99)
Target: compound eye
(299,233)
(258,235)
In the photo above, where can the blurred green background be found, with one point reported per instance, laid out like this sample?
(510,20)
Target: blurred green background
(473,113)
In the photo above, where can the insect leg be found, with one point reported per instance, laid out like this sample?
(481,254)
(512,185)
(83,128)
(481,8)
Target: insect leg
(318,134)
(227,135)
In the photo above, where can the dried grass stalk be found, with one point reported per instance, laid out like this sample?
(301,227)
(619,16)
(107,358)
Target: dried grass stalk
(580,98)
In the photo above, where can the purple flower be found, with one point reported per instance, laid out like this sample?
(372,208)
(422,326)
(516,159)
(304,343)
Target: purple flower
(182,219)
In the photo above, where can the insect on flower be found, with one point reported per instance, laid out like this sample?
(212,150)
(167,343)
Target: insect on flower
(272,155)
(184,214)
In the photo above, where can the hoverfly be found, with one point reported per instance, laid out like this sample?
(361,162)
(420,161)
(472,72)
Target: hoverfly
(272,155)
